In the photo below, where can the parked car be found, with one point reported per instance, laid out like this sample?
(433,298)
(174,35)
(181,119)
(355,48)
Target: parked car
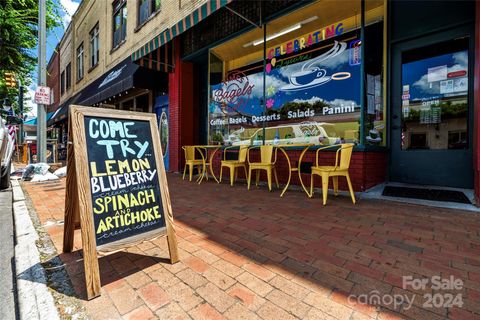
(7,147)
(305,132)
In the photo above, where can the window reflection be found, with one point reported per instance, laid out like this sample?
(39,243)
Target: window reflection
(435,97)
(312,81)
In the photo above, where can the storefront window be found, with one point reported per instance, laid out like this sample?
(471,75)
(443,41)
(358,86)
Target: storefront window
(435,97)
(312,89)
(374,109)
(142,103)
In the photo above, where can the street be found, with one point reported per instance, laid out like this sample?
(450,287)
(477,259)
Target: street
(7,257)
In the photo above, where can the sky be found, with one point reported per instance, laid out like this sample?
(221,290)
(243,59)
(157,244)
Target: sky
(416,74)
(68,8)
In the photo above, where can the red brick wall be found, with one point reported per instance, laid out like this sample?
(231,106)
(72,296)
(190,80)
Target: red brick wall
(181,106)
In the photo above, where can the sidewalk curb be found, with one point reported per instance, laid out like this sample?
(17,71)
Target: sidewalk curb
(34,298)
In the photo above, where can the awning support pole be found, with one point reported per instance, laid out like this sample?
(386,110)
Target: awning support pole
(243,17)
(160,62)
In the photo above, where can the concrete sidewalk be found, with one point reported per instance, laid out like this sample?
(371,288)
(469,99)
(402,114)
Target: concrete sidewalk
(7,257)
(252,255)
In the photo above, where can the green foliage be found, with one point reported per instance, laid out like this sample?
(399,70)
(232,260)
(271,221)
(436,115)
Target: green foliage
(217,137)
(18,40)
(449,111)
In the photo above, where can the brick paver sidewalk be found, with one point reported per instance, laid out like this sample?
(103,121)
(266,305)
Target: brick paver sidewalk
(250,255)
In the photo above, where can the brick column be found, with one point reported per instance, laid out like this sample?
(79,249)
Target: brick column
(180,104)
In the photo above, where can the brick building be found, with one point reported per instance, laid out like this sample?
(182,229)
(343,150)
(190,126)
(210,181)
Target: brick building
(402,90)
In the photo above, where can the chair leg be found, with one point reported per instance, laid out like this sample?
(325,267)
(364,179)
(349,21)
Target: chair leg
(269,179)
(258,178)
(311,186)
(325,187)
(221,169)
(276,177)
(335,185)
(249,177)
(184,171)
(232,175)
(352,194)
(190,171)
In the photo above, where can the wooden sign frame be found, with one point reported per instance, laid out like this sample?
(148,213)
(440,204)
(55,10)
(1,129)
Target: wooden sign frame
(78,200)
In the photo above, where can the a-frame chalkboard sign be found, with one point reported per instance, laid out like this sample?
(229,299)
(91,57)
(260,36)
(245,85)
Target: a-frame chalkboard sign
(116,185)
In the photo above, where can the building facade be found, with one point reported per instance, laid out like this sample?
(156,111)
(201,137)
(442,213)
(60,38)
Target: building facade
(94,57)
(252,72)
(53,80)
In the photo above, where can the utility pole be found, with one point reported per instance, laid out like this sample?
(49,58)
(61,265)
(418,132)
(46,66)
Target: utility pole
(42,75)
(20,109)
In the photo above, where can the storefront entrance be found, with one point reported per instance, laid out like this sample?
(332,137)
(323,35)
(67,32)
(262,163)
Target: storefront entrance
(161,110)
(431,115)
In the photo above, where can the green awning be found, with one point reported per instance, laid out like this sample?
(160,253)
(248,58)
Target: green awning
(183,25)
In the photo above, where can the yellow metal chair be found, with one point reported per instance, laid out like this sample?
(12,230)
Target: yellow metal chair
(267,152)
(342,163)
(191,161)
(234,164)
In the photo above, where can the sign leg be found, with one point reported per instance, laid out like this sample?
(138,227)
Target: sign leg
(92,270)
(71,201)
(171,236)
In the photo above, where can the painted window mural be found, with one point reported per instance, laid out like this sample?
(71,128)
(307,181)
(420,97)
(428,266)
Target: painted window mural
(435,97)
(312,96)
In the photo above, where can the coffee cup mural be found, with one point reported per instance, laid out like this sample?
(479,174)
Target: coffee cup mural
(305,77)
(311,74)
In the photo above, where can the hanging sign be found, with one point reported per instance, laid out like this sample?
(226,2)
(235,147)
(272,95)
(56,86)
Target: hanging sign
(42,95)
(116,184)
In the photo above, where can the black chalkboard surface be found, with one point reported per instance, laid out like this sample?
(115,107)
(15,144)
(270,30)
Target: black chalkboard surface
(116,188)
(124,179)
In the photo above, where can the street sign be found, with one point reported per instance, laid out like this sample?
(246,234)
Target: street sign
(42,95)
(116,185)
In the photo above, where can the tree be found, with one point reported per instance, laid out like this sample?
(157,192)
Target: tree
(18,40)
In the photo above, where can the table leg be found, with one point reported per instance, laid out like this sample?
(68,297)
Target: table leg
(289,172)
(211,164)
(300,173)
(204,166)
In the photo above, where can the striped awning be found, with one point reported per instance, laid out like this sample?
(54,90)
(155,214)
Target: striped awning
(147,50)
(160,59)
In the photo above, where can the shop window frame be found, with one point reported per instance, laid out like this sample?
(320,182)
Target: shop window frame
(80,62)
(119,9)
(152,9)
(384,76)
(62,83)
(68,76)
(94,35)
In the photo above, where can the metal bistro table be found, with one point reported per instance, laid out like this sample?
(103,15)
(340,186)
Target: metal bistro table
(282,148)
(204,151)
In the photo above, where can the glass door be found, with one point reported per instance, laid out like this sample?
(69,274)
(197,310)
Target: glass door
(431,112)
